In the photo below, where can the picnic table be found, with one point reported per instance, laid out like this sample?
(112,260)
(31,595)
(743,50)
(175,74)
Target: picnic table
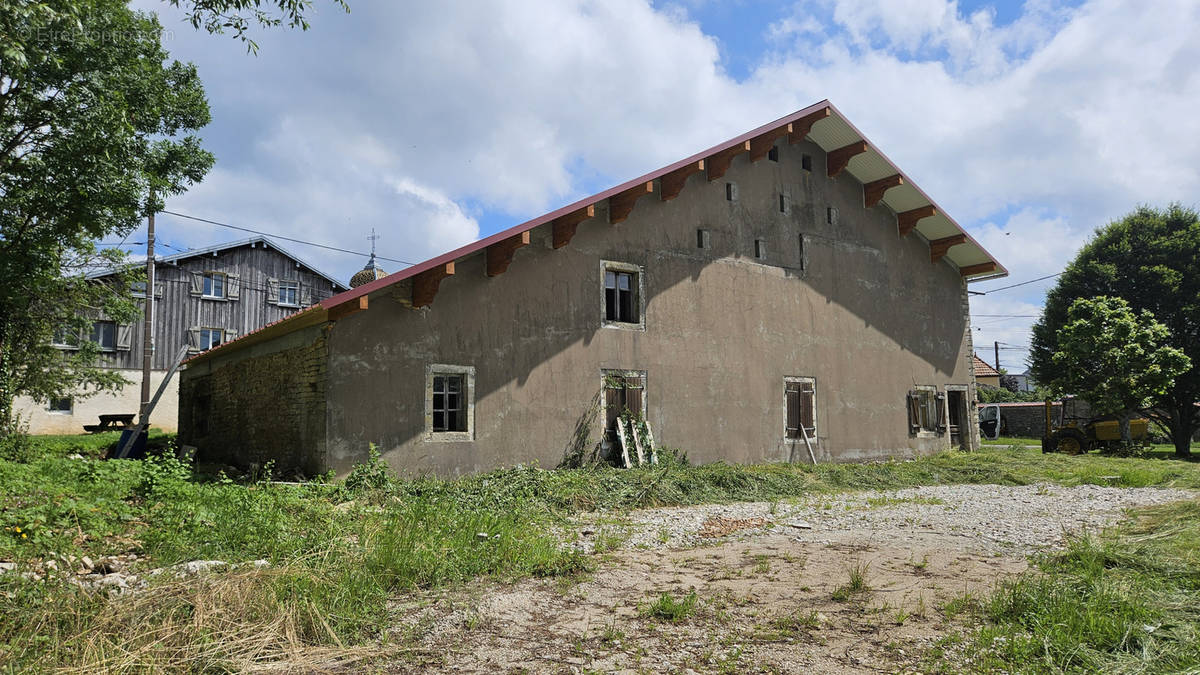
(110,423)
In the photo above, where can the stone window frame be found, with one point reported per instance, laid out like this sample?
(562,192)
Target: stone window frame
(606,373)
(468,375)
(969,419)
(614,266)
(800,379)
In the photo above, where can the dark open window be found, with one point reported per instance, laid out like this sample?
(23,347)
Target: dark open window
(60,405)
(449,403)
(801,408)
(620,296)
(806,162)
(104,333)
(773,154)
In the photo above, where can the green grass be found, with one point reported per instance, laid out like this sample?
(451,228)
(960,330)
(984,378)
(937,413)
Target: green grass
(340,552)
(1127,601)
(666,608)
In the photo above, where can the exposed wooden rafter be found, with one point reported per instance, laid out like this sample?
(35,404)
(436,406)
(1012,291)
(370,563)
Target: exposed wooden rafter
(798,130)
(621,204)
(345,310)
(981,268)
(672,184)
(873,192)
(938,248)
(838,159)
(500,254)
(719,163)
(907,220)
(425,284)
(564,226)
(761,145)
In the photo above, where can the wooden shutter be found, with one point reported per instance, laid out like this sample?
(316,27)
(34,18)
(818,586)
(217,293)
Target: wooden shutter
(197,288)
(808,408)
(194,339)
(272,291)
(633,395)
(914,413)
(233,286)
(792,395)
(612,407)
(306,294)
(158,289)
(124,336)
(941,412)
(230,334)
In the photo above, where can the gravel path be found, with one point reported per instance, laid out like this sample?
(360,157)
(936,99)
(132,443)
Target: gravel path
(990,519)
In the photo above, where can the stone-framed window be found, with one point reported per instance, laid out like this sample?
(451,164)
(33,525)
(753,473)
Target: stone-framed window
(623,390)
(449,402)
(623,299)
(926,411)
(800,406)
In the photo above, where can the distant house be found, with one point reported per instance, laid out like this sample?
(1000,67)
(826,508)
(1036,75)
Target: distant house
(203,298)
(1024,381)
(788,284)
(985,374)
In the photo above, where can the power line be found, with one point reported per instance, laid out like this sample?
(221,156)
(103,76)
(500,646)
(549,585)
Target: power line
(280,236)
(1009,316)
(1023,283)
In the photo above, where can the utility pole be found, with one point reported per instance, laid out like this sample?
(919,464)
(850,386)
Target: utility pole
(148,328)
(994,344)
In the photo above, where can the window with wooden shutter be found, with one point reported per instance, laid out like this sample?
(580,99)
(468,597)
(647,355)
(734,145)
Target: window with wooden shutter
(940,411)
(124,337)
(914,413)
(623,391)
(800,403)
(233,286)
(272,291)
(926,408)
(197,287)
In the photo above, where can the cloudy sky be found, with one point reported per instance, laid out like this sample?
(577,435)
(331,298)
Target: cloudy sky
(439,122)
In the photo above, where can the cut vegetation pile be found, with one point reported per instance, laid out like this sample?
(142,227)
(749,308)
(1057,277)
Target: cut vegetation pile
(338,552)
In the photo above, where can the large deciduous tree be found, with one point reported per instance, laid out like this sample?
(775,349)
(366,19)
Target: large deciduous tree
(94,118)
(1150,259)
(1115,358)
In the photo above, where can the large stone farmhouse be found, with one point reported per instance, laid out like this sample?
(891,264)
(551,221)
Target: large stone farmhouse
(203,298)
(790,284)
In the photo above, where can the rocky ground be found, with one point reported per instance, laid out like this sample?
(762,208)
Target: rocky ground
(774,584)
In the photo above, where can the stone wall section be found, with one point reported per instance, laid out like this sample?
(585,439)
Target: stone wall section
(270,406)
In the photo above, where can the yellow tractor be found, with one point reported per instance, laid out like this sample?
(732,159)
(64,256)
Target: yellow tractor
(1076,432)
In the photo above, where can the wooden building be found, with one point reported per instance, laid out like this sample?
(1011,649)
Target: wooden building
(203,298)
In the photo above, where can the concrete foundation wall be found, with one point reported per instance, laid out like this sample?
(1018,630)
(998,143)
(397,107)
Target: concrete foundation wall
(88,410)
(859,309)
(259,404)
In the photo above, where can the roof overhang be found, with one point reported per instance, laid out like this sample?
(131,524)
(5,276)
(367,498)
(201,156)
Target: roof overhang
(848,152)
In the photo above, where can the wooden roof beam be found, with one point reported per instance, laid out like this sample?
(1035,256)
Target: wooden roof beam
(907,220)
(344,310)
(621,204)
(672,184)
(981,268)
(564,226)
(798,130)
(425,284)
(500,254)
(873,192)
(719,163)
(938,248)
(838,159)
(761,145)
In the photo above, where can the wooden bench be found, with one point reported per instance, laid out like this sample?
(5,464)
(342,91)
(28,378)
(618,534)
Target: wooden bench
(110,423)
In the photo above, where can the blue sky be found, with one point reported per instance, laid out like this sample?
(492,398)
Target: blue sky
(437,123)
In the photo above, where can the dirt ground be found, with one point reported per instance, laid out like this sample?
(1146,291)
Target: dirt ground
(769,597)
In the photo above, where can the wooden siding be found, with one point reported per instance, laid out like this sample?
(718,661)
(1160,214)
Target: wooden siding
(178,311)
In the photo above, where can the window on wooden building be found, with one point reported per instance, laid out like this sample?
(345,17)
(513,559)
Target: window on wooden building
(800,396)
(214,285)
(450,402)
(104,333)
(926,410)
(211,337)
(623,303)
(289,293)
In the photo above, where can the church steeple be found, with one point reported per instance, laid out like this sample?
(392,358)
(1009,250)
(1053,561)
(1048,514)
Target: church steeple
(371,271)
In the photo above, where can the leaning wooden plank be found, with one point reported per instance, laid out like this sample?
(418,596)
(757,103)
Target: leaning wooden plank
(624,444)
(650,442)
(637,442)
(807,443)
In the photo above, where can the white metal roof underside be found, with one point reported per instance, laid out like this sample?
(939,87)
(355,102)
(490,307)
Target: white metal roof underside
(833,132)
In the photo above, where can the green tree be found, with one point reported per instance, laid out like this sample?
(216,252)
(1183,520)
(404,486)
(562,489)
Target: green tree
(1151,259)
(1116,359)
(93,118)
(236,16)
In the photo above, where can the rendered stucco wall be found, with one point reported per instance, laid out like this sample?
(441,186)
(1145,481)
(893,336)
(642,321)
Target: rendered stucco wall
(88,410)
(860,309)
